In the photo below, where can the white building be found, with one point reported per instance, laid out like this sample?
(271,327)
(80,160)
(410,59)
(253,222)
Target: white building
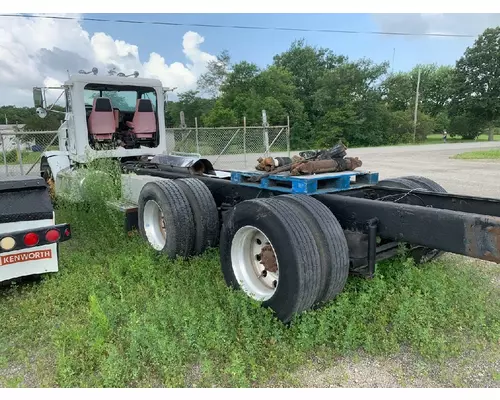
(8,137)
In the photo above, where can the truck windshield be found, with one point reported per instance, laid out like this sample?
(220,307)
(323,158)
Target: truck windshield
(123,100)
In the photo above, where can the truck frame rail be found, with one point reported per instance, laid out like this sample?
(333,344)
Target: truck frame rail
(460,224)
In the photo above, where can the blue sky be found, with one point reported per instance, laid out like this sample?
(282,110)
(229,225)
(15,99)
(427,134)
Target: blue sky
(260,46)
(56,46)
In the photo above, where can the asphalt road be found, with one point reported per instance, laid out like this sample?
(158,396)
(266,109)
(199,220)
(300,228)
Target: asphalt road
(471,177)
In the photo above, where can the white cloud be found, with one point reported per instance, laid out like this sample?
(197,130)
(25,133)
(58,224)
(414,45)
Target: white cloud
(465,24)
(35,52)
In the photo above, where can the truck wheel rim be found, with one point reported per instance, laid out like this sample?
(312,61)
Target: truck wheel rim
(254,263)
(154,225)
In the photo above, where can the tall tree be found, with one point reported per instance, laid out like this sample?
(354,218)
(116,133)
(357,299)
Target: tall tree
(192,105)
(219,116)
(437,90)
(307,64)
(477,80)
(347,101)
(399,89)
(238,92)
(217,71)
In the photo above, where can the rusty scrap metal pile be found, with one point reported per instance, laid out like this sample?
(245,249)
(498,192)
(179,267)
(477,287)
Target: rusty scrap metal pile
(311,162)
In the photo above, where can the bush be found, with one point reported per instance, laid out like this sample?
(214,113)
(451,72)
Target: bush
(425,126)
(466,126)
(441,122)
(400,128)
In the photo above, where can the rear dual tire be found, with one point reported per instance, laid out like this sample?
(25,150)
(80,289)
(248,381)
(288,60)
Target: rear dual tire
(205,213)
(310,252)
(178,217)
(419,254)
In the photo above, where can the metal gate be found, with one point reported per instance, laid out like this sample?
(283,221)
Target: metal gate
(22,151)
(236,147)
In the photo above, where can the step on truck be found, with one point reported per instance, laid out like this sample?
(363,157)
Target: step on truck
(288,241)
(29,235)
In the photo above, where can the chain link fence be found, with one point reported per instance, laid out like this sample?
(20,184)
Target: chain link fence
(233,147)
(225,147)
(21,151)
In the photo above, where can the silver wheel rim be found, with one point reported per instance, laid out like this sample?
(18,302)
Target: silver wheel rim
(154,225)
(247,256)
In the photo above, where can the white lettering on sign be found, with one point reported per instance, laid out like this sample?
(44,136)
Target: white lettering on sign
(26,256)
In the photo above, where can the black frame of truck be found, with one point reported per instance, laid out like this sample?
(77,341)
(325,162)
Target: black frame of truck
(460,224)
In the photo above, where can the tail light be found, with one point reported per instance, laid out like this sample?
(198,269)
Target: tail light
(14,241)
(31,239)
(7,243)
(52,236)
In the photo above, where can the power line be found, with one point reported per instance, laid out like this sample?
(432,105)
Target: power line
(261,28)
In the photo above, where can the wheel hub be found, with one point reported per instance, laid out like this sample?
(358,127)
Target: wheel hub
(268,258)
(154,225)
(255,264)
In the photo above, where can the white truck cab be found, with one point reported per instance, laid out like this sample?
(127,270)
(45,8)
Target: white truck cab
(119,117)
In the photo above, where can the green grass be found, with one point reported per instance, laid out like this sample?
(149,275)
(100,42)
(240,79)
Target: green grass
(28,157)
(437,138)
(118,314)
(493,154)
(431,139)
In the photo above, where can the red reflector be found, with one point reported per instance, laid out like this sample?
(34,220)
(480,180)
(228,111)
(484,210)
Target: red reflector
(67,232)
(52,236)
(30,239)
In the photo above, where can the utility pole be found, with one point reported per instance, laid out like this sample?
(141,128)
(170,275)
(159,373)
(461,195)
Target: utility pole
(416,109)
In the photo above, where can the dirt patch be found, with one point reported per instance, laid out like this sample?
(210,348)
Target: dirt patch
(20,375)
(475,369)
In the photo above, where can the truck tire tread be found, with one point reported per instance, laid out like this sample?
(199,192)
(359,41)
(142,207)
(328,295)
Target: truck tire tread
(205,213)
(330,238)
(297,253)
(177,212)
(426,183)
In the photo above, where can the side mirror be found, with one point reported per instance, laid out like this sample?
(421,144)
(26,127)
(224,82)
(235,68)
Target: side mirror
(41,112)
(38,98)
